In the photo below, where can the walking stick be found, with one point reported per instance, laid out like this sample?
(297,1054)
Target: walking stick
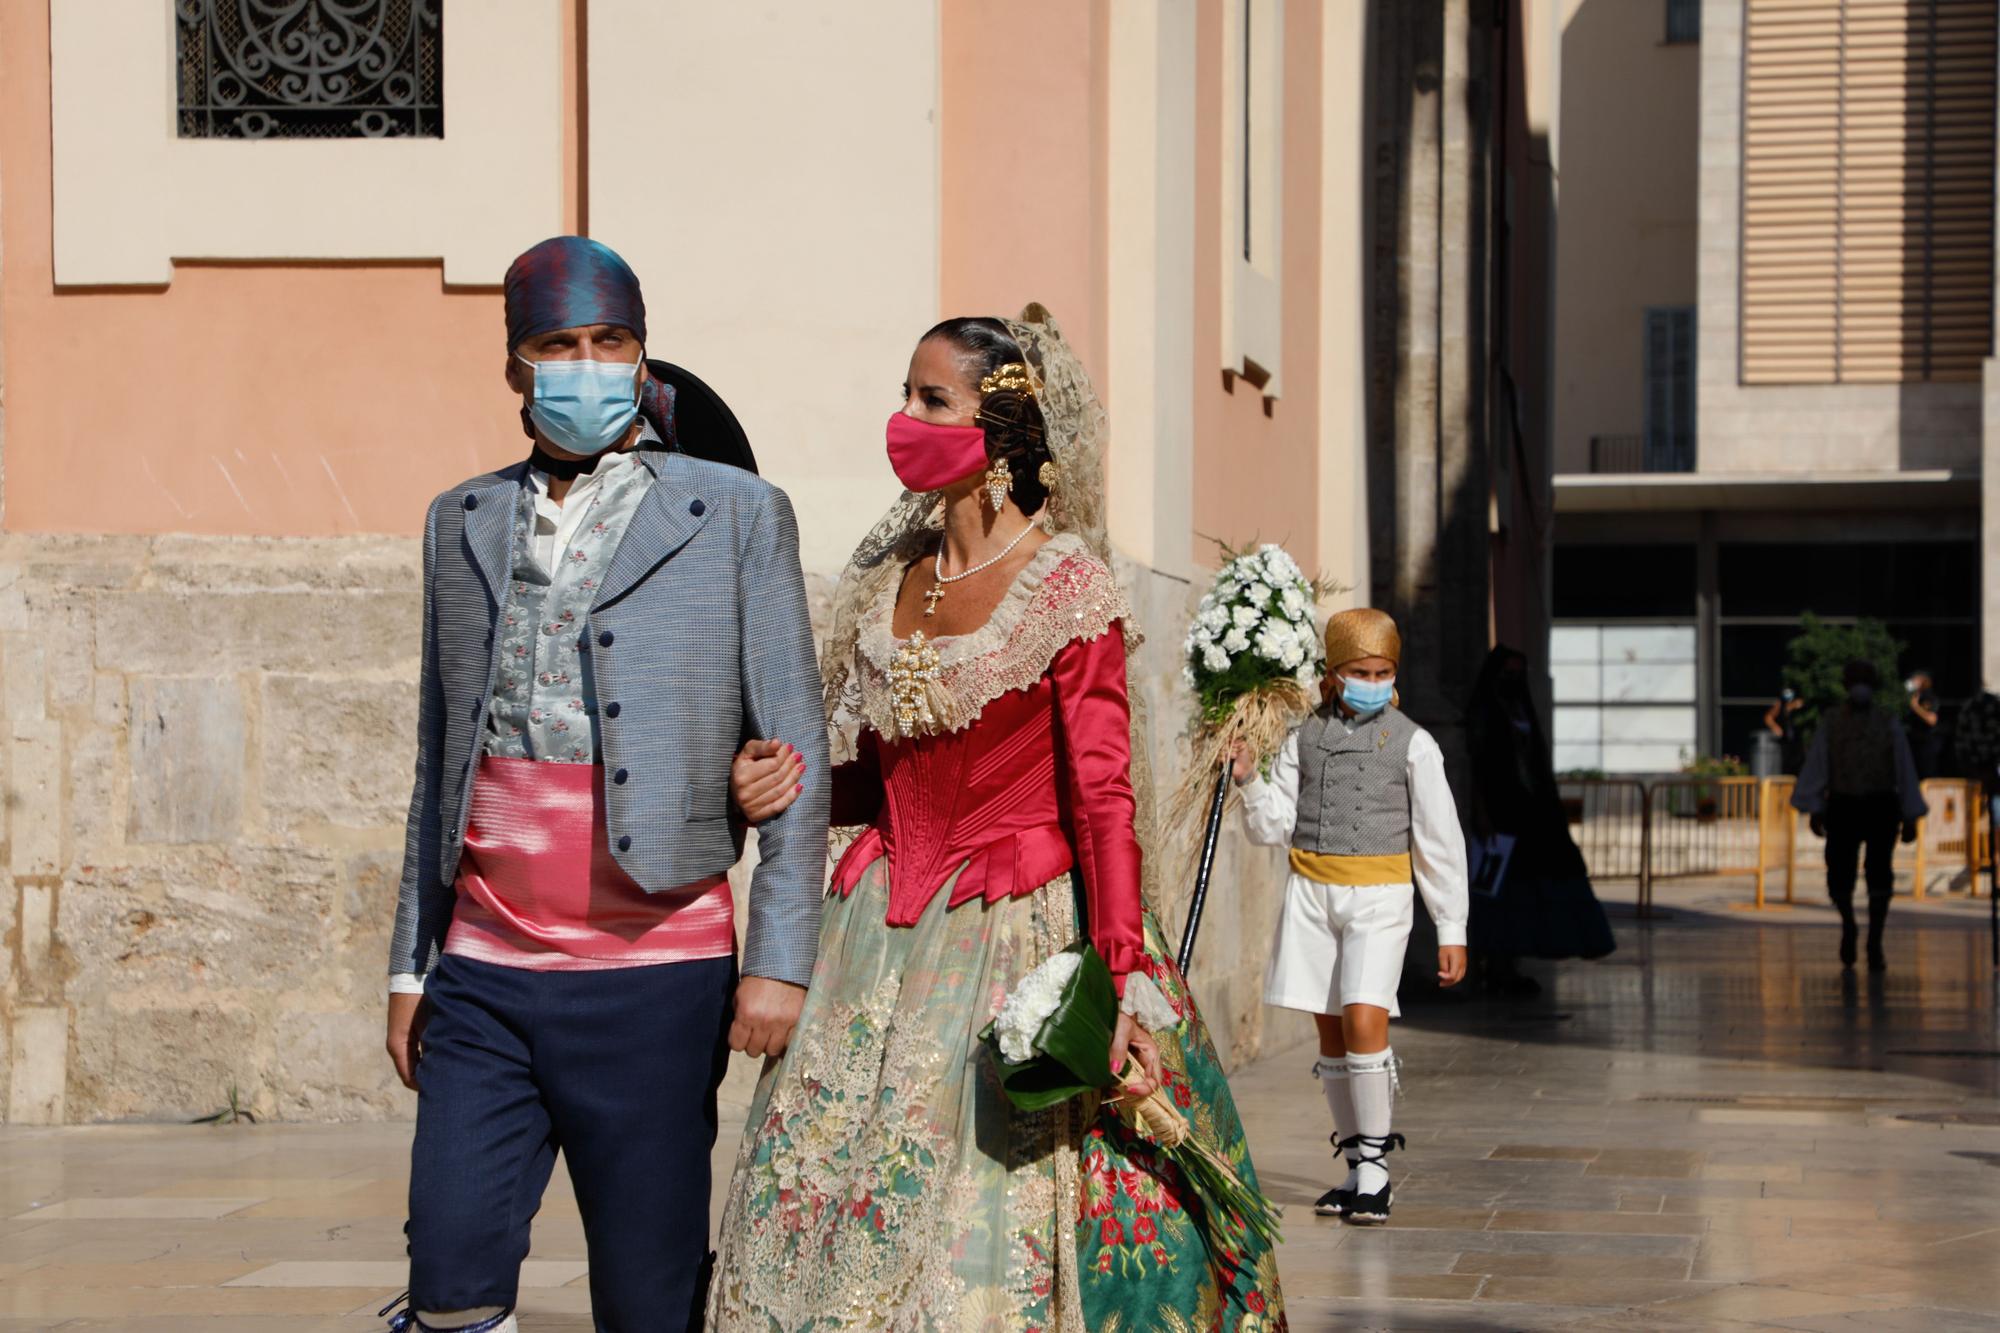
(1209,838)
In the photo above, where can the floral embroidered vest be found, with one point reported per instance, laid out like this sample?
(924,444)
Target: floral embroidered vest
(544,704)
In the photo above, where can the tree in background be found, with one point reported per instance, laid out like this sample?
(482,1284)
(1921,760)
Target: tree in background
(1820,652)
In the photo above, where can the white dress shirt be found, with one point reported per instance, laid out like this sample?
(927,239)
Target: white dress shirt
(1437,843)
(556,521)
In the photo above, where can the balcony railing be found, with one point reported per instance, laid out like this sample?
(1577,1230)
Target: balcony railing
(1634,453)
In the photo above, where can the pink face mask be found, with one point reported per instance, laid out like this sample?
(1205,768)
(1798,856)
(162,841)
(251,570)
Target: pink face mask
(930,458)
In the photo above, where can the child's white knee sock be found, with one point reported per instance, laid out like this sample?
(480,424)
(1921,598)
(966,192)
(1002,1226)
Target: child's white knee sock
(1333,1080)
(1368,1078)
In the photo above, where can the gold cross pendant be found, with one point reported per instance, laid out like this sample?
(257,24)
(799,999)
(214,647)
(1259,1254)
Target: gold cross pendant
(934,596)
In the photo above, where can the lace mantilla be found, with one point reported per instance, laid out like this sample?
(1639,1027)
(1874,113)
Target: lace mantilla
(1064,594)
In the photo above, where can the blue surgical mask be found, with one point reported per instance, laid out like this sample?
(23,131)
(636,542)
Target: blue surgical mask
(1367,696)
(584,407)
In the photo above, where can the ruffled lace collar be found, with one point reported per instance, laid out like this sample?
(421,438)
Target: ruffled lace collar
(1063,594)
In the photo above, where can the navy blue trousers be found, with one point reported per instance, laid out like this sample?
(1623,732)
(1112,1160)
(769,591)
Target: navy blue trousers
(617,1070)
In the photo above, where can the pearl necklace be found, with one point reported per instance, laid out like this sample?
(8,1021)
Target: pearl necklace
(936,594)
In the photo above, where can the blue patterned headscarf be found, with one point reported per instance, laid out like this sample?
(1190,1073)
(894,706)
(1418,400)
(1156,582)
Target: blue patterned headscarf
(570,282)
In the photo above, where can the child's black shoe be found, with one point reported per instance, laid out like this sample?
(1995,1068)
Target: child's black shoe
(1368,1210)
(1371,1208)
(1335,1202)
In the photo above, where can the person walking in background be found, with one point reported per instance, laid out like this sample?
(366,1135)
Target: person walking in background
(1926,741)
(1358,793)
(1860,787)
(1781,719)
(1543,905)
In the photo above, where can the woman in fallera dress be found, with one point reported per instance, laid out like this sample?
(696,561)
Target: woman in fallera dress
(977,694)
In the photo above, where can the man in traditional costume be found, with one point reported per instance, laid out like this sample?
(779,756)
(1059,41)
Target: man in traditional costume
(604,622)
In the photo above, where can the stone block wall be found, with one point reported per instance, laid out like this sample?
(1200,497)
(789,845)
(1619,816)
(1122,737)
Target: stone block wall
(205,749)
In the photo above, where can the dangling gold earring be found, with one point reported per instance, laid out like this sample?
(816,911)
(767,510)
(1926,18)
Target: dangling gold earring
(999,481)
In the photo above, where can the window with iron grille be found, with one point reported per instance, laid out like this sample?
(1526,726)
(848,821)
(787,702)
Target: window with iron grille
(1670,389)
(1683,20)
(310,69)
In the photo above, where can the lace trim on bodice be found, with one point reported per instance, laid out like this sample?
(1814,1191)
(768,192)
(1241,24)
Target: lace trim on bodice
(1064,594)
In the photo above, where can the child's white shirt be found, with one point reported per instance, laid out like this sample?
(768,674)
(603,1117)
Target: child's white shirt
(1437,843)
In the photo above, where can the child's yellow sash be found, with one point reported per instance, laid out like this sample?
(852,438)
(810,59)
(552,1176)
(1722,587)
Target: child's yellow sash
(1327,868)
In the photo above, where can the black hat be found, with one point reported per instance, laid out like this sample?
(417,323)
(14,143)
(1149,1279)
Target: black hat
(703,425)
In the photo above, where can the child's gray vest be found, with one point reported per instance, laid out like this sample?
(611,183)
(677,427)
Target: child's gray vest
(1354,787)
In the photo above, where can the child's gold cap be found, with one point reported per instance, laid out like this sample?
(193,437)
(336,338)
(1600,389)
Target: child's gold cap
(1362,632)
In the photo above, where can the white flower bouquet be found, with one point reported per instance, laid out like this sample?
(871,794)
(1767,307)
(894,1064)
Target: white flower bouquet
(1017,1029)
(1253,629)
(1052,1036)
(1253,656)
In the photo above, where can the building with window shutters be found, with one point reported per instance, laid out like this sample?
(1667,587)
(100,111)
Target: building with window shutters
(1774,331)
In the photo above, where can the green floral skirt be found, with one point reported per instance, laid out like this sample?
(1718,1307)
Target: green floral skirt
(885,1181)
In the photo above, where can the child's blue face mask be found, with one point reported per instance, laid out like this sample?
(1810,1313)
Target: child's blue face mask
(1367,696)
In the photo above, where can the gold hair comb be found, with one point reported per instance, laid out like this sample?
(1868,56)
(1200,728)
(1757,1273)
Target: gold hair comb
(1014,375)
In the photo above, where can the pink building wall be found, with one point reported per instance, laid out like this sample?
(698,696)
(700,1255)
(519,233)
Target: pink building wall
(1256,476)
(243,399)
(1022,143)
(315,399)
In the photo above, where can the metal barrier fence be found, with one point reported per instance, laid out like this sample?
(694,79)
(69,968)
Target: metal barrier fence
(1610,822)
(1684,827)
(1955,837)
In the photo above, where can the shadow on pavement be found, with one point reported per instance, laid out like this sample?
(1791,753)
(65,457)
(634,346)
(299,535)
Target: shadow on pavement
(1768,987)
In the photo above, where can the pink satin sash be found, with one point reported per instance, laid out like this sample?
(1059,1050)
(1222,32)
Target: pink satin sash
(538,886)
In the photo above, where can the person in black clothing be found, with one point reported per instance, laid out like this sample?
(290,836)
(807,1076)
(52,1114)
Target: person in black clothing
(1926,742)
(1544,906)
(1781,719)
(1859,785)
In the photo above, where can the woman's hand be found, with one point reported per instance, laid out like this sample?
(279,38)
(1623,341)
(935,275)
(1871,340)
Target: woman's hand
(1130,1041)
(765,779)
(1451,964)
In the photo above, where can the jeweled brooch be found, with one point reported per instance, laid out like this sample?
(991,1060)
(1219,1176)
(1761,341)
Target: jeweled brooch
(911,672)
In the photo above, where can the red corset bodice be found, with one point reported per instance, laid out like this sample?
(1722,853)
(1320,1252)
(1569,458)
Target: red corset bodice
(1038,783)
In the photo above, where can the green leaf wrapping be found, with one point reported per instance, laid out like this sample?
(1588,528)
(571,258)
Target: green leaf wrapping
(1073,1048)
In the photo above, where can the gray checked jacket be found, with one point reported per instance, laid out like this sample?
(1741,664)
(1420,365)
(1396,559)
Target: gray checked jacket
(698,639)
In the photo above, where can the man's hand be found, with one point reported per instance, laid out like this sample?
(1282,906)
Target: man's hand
(764,780)
(1909,830)
(407,1016)
(1817,824)
(766,1012)
(1451,964)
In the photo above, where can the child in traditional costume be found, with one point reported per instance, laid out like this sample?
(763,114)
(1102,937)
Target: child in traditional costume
(1358,793)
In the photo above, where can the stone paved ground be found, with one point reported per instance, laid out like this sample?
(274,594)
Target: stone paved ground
(1713,1129)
